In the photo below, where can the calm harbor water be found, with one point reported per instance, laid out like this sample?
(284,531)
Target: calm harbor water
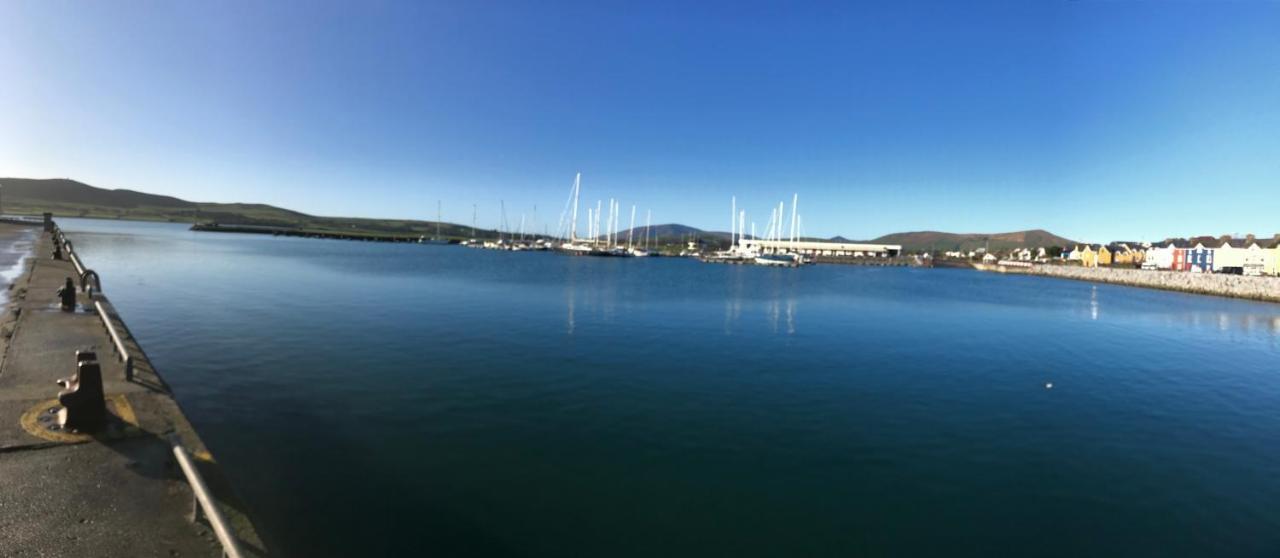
(431,400)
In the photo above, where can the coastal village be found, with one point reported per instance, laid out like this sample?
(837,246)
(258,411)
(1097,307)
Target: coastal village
(1228,255)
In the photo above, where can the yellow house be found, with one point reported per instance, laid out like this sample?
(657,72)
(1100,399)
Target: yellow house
(1088,258)
(1272,266)
(1104,256)
(1122,254)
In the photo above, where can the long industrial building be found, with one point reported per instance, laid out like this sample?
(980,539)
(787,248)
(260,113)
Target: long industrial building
(819,248)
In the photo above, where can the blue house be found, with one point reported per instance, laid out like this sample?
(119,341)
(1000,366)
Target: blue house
(1200,259)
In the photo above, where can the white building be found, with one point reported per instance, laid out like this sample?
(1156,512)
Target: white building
(1161,256)
(820,248)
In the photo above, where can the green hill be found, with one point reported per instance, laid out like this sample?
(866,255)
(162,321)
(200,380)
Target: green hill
(70,198)
(942,241)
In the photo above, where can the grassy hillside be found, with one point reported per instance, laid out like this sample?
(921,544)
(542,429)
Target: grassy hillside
(75,199)
(934,240)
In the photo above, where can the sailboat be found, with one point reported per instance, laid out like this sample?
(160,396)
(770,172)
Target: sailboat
(437,239)
(641,251)
(575,246)
(790,257)
(738,252)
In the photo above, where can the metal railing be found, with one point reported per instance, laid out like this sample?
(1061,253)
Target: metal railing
(203,500)
(230,546)
(94,288)
(116,340)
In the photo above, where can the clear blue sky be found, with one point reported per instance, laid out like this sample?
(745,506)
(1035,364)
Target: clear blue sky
(1095,120)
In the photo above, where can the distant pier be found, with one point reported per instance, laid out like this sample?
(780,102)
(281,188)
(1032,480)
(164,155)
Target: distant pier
(304,233)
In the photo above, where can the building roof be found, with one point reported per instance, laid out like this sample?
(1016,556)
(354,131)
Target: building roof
(822,245)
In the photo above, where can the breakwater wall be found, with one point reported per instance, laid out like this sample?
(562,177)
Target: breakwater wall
(97,457)
(1235,286)
(305,233)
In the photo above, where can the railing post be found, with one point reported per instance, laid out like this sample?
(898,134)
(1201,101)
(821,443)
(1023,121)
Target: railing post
(230,546)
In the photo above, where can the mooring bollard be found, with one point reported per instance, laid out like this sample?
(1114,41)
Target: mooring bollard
(57,251)
(68,294)
(84,406)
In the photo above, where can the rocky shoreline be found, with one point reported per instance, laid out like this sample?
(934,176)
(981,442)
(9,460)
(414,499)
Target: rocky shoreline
(1236,286)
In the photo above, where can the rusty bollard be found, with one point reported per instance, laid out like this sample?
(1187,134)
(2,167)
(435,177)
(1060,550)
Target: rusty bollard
(68,294)
(84,407)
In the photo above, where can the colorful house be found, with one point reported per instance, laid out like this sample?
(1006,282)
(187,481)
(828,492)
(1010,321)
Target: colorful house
(1086,255)
(1200,259)
(1273,264)
(1180,260)
(1105,256)
(1123,254)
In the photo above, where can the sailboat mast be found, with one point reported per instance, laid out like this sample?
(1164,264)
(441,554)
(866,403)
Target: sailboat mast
(648,219)
(473,220)
(733,222)
(631,231)
(795,203)
(742,222)
(437,219)
(595,238)
(573,229)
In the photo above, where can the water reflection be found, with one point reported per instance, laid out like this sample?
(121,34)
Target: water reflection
(1188,311)
(782,314)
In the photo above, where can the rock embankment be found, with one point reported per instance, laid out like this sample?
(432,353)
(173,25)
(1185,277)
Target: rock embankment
(1236,286)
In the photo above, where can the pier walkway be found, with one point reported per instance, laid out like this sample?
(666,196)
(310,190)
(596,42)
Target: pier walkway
(120,492)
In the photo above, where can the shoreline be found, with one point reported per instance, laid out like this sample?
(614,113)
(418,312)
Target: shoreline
(1260,289)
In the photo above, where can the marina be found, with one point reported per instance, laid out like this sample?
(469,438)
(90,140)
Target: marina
(766,403)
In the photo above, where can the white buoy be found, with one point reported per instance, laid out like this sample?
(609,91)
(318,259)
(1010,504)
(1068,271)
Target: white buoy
(1048,385)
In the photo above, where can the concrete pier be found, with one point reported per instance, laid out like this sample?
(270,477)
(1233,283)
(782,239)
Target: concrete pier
(114,492)
(1235,286)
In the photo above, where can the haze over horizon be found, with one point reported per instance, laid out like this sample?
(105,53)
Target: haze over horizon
(1094,120)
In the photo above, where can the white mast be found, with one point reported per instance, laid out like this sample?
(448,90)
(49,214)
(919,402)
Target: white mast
(596,232)
(573,229)
(782,211)
(648,219)
(742,222)
(437,219)
(733,223)
(795,203)
(631,231)
(521,227)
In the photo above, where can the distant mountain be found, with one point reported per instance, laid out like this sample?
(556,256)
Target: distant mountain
(934,240)
(67,197)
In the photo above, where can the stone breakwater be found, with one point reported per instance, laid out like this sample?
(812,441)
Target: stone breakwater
(1236,286)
